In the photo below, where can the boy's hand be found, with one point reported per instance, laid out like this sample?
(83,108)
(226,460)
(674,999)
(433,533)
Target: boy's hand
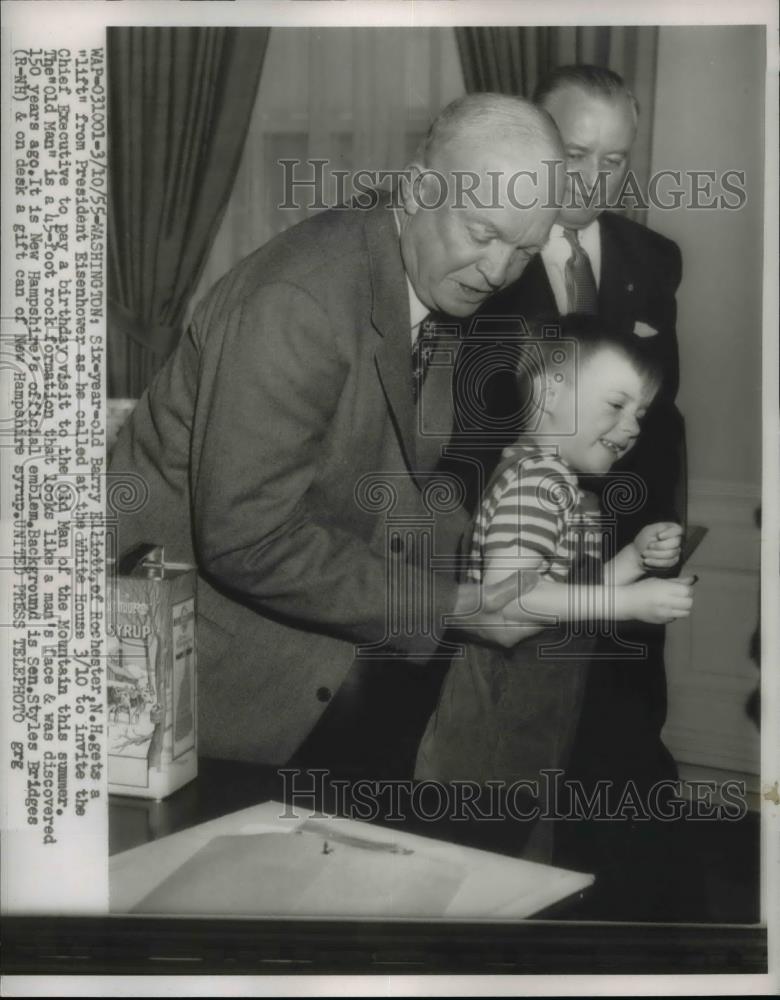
(658,601)
(658,546)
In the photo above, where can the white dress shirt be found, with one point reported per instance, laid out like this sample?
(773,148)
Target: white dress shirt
(417,310)
(557,251)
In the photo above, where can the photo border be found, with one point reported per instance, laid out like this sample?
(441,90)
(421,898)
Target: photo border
(121,945)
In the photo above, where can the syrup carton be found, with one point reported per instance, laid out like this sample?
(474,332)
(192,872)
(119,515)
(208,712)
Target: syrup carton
(151,678)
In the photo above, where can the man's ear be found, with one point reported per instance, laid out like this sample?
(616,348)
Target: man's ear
(412,178)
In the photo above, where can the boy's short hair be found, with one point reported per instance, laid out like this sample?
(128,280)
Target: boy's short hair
(553,347)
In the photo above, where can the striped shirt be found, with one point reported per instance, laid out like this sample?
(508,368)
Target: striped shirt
(534,517)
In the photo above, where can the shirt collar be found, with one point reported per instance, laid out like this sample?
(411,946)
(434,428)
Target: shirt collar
(417,309)
(528,445)
(585,235)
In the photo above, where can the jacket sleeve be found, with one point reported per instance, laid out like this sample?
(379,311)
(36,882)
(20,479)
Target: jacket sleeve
(667,283)
(659,456)
(275,389)
(669,437)
(680,495)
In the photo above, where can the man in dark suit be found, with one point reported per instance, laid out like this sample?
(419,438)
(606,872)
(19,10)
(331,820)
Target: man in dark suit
(596,261)
(286,455)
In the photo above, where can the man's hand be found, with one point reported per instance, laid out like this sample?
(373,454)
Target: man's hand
(655,601)
(479,610)
(658,546)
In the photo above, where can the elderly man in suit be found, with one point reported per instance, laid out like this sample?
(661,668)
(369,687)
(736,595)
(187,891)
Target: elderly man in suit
(284,439)
(596,261)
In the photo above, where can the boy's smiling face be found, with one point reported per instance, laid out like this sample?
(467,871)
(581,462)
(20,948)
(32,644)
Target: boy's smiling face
(610,399)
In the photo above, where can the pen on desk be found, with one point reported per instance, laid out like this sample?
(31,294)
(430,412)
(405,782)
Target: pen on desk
(388,847)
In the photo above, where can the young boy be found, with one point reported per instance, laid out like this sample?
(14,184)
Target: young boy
(506,713)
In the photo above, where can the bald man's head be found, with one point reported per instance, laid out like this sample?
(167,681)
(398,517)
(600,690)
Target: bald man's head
(478,205)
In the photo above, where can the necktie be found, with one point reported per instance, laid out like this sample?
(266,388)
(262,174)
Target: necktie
(421,353)
(580,283)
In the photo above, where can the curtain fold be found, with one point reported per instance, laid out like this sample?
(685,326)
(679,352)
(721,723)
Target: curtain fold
(513,60)
(180,100)
(360,98)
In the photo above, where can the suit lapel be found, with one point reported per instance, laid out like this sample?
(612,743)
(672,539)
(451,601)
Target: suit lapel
(617,292)
(423,428)
(434,411)
(390,317)
(533,295)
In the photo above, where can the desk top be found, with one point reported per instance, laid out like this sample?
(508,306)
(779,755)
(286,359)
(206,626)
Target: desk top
(445,880)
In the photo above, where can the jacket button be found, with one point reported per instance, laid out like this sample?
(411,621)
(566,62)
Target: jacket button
(324,694)
(396,544)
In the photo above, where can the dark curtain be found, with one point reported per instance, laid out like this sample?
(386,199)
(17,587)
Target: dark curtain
(513,60)
(180,100)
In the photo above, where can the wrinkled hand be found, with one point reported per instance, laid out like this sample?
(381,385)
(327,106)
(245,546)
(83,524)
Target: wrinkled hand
(659,601)
(485,611)
(504,595)
(658,546)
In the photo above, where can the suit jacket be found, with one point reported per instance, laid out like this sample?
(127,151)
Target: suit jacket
(279,443)
(640,273)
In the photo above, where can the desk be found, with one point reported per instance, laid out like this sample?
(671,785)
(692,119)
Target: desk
(129,945)
(221,787)
(224,802)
